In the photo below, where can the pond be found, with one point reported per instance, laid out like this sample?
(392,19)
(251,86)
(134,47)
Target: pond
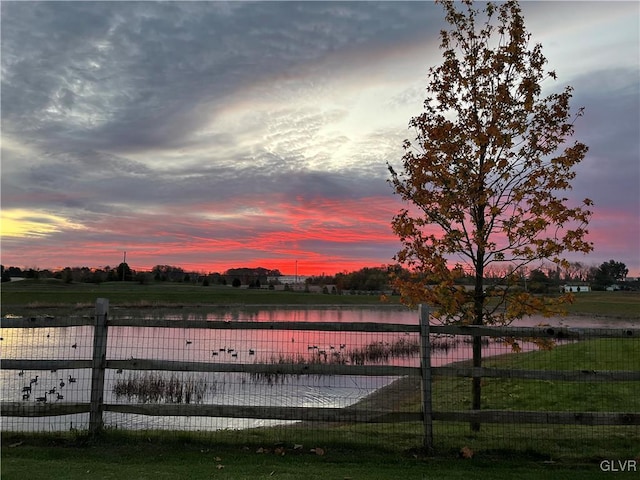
(224,346)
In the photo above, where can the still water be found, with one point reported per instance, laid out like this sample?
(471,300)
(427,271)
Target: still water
(218,346)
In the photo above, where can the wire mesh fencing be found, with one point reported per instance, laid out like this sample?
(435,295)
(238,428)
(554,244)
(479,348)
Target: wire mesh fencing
(563,391)
(337,374)
(176,372)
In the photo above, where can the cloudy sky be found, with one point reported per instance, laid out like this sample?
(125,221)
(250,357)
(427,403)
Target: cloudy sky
(215,135)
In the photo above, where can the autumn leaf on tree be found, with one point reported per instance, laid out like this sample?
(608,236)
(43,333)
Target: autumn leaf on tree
(485,177)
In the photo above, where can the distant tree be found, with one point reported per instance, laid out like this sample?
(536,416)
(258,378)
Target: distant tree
(32,273)
(618,271)
(97,276)
(367,278)
(14,271)
(483,176)
(538,282)
(142,278)
(575,271)
(236,282)
(164,273)
(6,276)
(609,273)
(124,273)
(112,274)
(249,275)
(67,276)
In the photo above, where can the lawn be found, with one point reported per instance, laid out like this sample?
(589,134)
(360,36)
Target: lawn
(389,452)
(539,395)
(152,459)
(54,293)
(606,304)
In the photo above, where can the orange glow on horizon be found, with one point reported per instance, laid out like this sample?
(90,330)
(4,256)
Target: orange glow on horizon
(324,236)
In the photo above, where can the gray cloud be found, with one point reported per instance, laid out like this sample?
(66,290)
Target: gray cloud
(114,108)
(131,74)
(610,174)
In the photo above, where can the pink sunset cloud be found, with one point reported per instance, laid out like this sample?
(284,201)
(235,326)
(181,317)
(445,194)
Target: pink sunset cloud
(267,150)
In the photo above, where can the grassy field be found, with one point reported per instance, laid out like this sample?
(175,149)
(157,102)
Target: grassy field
(388,451)
(54,293)
(607,304)
(501,451)
(154,459)
(558,442)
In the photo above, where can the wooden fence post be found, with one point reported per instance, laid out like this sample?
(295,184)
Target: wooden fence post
(425,365)
(98,365)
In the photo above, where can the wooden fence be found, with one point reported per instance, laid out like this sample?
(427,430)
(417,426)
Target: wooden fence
(100,362)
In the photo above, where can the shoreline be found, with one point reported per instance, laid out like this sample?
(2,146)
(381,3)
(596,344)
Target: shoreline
(403,389)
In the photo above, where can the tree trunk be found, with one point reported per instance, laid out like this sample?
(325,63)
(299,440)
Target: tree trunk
(478,301)
(476,385)
(476,381)
(478,294)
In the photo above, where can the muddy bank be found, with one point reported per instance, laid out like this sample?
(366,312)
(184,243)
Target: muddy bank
(397,396)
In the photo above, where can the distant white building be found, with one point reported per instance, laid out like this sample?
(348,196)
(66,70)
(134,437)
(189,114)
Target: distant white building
(576,288)
(289,279)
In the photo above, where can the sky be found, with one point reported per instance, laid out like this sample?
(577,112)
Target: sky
(214,135)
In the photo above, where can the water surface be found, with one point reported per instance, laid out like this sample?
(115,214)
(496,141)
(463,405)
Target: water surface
(224,346)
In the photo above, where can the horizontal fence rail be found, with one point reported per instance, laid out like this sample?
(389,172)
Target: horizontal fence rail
(344,414)
(100,362)
(535,417)
(555,418)
(557,333)
(551,375)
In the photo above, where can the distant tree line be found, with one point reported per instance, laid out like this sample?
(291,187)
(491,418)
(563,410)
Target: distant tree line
(159,273)
(540,280)
(367,279)
(544,280)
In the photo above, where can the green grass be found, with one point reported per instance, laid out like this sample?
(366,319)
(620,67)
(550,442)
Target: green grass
(571,443)
(368,451)
(377,451)
(54,293)
(132,457)
(540,395)
(606,304)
